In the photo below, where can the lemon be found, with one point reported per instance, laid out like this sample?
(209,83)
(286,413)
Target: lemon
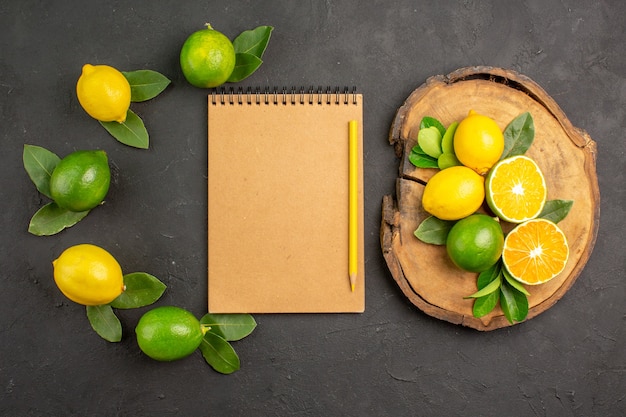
(207,58)
(478,142)
(88,274)
(81,180)
(104,93)
(454,193)
(168,333)
(475,243)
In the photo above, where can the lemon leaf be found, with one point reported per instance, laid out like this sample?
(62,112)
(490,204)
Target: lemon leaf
(39,164)
(229,326)
(514,283)
(556,210)
(51,219)
(142,289)
(433,231)
(514,304)
(104,321)
(145,84)
(245,66)
(420,159)
(485,304)
(518,135)
(428,121)
(218,353)
(253,41)
(131,132)
(487,289)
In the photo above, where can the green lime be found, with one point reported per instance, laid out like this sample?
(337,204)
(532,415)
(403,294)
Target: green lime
(207,58)
(168,333)
(81,180)
(475,243)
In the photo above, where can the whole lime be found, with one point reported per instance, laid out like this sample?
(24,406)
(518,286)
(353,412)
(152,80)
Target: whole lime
(475,243)
(81,180)
(207,58)
(168,333)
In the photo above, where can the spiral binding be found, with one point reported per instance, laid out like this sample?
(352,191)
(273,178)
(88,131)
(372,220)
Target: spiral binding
(284,95)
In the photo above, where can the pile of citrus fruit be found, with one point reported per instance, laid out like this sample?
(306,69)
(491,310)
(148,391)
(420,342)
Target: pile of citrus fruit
(482,183)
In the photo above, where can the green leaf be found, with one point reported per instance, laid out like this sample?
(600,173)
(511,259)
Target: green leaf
(433,230)
(518,135)
(447,142)
(104,321)
(142,289)
(39,164)
(51,219)
(488,289)
(218,353)
(229,326)
(419,158)
(132,132)
(145,84)
(514,283)
(245,66)
(484,305)
(428,121)
(514,304)
(253,41)
(556,210)
(429,140)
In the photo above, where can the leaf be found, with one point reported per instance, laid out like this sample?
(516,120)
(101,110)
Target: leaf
(132,132)
(518,135)
(145,84)
(229,326)
(51,219)
(218,353)
(484,305)
(556,210)
(104,321)
(142,289)
(253,41)
(433,230)
(514,304)
(488,289)
(514,283)
(421,160)
(245,66)
(428,121)
(39,164)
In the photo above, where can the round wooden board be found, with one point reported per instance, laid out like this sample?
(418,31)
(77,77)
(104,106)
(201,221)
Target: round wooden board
(565,154)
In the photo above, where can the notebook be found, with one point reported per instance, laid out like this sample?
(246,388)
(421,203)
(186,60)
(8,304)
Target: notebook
(278,206)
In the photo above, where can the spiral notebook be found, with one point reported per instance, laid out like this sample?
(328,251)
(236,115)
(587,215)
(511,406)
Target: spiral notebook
(278,209)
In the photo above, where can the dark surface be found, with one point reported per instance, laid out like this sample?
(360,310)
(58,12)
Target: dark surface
(392,360)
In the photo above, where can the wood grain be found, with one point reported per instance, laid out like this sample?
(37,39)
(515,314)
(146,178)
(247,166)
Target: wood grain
(565,154)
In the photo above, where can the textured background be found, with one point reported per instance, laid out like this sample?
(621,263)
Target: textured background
(393,359)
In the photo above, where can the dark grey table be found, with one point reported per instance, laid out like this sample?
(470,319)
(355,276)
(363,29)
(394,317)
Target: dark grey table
(392,360)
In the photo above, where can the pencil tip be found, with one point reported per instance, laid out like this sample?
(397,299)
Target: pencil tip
(352,285)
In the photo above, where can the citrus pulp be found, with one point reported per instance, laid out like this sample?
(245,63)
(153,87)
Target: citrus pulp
(475,243)
(88,275)
(478,142)
(453,193)
(81,180)
(535,251)
(168,333)
(207,58)
(104,93)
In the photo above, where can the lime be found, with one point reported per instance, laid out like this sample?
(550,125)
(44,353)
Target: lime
(168,333)
(207,58)
(475,243)
(453,193)
(478,142)
(81,180)
(104,93)
(88,274)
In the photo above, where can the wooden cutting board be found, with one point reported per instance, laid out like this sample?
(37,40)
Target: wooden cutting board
(566,155)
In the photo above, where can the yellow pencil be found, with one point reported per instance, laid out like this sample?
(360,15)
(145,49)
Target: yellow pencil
(353,205)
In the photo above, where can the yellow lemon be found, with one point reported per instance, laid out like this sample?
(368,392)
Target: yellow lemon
(104,93)
(454,193)
(88,274)
(478,142)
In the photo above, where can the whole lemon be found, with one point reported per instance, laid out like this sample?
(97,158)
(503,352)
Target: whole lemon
(88,274)
(478,142)
(81,180)
(207,58)
(104,93)
(168,333)
(454,193)
(475,243)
